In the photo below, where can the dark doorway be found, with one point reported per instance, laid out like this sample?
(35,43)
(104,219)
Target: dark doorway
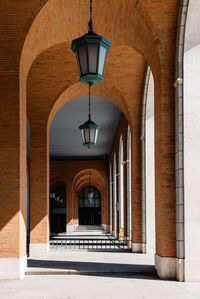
(58,209)
(89,205)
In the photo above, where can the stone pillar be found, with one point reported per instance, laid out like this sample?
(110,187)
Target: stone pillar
(165,259)
(120,181)
(105,203)
(110,199)
(13,258)
(136,194)
(125,200)
(72,209)
(128,187)
(114,199)
(39,189)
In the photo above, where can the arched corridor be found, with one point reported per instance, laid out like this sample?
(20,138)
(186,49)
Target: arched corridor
(139,184)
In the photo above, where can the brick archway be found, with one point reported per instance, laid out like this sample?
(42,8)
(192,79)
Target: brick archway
(97,180)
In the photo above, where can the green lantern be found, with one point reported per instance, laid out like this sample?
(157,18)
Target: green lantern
(89,130)
(91,50)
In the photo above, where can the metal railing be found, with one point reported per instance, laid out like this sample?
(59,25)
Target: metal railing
(90,244)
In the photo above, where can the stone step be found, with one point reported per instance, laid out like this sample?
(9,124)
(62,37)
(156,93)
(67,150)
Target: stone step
(86,272)
(89,228)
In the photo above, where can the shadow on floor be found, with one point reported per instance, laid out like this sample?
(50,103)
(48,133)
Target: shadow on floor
(52,267)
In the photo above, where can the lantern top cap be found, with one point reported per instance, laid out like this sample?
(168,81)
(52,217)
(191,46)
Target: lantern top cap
(89,124)
(90,38)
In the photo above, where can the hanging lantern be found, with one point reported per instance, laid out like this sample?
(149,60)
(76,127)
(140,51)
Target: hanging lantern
(91,50)
(89,130)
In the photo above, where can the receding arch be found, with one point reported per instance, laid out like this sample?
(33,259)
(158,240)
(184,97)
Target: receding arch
(55,18)
(97,179)
(105,90)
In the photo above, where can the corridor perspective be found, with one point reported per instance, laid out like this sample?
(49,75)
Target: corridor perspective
(99,156)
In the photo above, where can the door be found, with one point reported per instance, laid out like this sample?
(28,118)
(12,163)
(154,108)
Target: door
(89,206)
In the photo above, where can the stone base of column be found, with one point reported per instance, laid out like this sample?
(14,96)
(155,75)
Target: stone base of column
(144,248)
(106,227)
(180,269)
(71,228)
(137,247)
(110,230)
(166,267)
(114,234)
(13,268)
(129,243)
(38,248)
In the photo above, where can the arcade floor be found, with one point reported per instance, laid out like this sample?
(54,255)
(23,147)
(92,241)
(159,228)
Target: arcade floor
(97,287)
(82,274)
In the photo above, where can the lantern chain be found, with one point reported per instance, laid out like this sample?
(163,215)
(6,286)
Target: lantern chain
(90,10)
(90,25)
(89,105)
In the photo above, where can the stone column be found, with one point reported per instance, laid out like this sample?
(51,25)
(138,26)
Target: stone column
(136,194)
(110,199)
(105,204)
(72,209)
(125,200)
(165,259)
(39,189)
(13,196)
(114,199)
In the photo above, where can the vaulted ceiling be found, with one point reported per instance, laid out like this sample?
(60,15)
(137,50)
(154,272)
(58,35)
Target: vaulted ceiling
(65,136)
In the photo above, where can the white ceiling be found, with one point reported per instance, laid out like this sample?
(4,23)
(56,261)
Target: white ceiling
(65,136)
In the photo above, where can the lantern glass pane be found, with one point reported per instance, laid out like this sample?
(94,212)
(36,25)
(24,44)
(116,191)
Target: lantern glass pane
(83,59)
(87,135)
(96,134)
(102,56)
(92,135)
(78,63)
(83,136)
(92,56)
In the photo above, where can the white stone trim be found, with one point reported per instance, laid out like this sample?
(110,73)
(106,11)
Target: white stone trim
(180,269)
(38,248)
(114,234)
(166,267)
(137,247)
(71,228)
(13,268)
(106,227)
(144,248)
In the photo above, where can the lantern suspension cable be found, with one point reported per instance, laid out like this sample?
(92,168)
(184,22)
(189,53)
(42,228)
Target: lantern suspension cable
(89,129)
(90,22)
(90,10)
(89,116)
